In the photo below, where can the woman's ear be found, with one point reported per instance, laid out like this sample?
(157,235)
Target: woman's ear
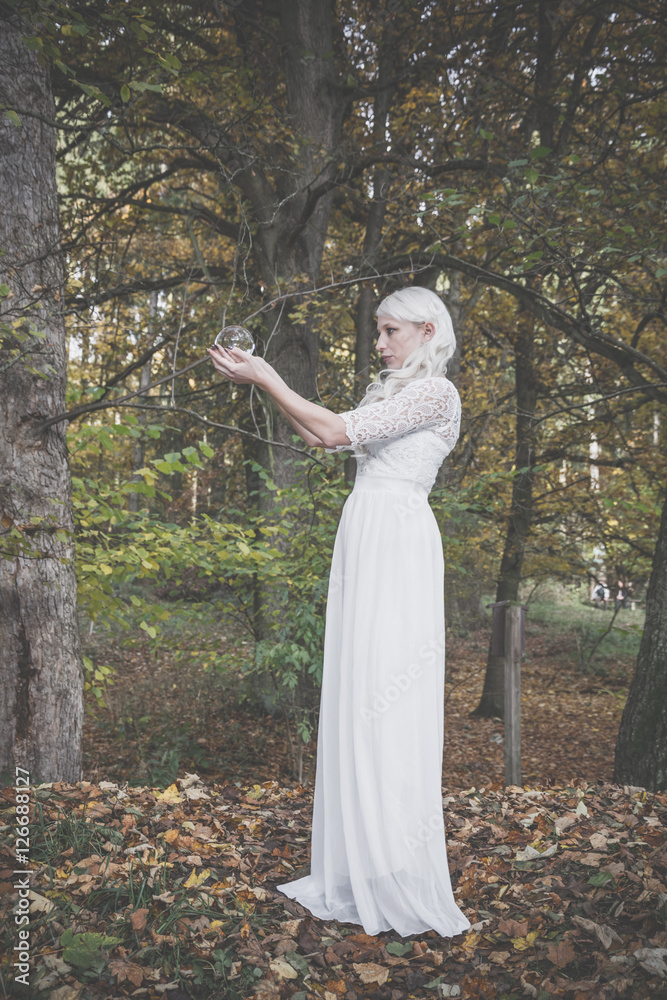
(429,330)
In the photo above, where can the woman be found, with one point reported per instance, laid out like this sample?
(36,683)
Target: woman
(378,854)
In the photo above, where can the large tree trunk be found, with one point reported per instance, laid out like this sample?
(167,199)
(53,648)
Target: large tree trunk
(41,711)
(492,702)
(641,749)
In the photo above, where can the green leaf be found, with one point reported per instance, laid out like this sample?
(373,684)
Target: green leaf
(84,950)
(14,118)
(125,93)
(149,628)
(396,948)
(600,878)
(140,86)
(298,962)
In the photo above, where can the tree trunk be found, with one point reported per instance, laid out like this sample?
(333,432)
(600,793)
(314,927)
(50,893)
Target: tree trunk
(41,713)
(641,749)
(492,703)
(139,451)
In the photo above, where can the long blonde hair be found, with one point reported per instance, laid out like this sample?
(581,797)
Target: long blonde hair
(415,305)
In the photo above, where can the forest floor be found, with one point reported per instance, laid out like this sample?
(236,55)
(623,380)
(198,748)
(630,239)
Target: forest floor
(155,876)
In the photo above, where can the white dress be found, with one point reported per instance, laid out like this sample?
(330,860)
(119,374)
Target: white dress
(378,854)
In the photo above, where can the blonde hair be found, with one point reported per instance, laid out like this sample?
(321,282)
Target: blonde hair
(415,305)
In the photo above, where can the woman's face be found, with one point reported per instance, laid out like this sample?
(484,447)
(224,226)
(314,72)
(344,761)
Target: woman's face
(398,338)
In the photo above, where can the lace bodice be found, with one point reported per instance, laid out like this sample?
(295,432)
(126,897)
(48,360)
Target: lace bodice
(408,435)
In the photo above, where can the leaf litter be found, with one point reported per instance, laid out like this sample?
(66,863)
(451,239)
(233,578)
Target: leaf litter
(171,893)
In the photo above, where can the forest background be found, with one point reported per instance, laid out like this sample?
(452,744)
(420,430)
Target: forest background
(167,169)
(286,166)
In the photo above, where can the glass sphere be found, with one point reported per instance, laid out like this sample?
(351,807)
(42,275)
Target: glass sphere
(236,336)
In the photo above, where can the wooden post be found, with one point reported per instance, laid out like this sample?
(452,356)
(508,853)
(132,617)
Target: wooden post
(513,694)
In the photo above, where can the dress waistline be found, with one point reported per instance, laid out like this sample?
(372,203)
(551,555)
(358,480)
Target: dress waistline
(388,484)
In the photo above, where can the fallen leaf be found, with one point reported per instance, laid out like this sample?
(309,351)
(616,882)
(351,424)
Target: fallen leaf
(165,897)
(283,969)
(563,823)
(531,854)
(66,993)
(614,868)
(591,859)
(195,879)
(260,893)
(195,794)
(513,928)
(170,795)
(652,960)
(500,957)
(605,935)
(522,943)
(138,920)
(188,780)
(369,972)
(561,953)
(338,987)
(39,903)
(598,841)
(123,969)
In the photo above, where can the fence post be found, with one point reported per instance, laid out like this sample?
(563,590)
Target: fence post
(513,650)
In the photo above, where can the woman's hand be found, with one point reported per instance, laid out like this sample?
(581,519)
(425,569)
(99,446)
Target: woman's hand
(240,367)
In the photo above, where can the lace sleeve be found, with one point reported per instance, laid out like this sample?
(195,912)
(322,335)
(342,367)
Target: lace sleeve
(422,403)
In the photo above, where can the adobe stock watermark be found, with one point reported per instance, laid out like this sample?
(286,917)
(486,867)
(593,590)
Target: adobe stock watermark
(416,501)
(21,908)
(336,582)
(401,682)
(425,832)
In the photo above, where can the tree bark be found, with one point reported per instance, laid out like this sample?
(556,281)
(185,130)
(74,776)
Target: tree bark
(492,702)
(641,749)
(41,712)
(139,450)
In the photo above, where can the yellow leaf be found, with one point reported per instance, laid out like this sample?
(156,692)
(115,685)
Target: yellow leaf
(470,940)
(194,879)
(170,795)
(522,943)
(283,969)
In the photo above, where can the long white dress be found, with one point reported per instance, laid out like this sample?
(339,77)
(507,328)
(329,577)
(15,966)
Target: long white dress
(378,854)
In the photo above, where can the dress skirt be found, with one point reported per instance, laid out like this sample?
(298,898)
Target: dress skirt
(378,854)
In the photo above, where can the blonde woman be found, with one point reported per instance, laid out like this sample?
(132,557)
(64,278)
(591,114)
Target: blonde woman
(378,854)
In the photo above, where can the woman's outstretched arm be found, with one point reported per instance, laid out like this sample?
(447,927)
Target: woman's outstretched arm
(318,426)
